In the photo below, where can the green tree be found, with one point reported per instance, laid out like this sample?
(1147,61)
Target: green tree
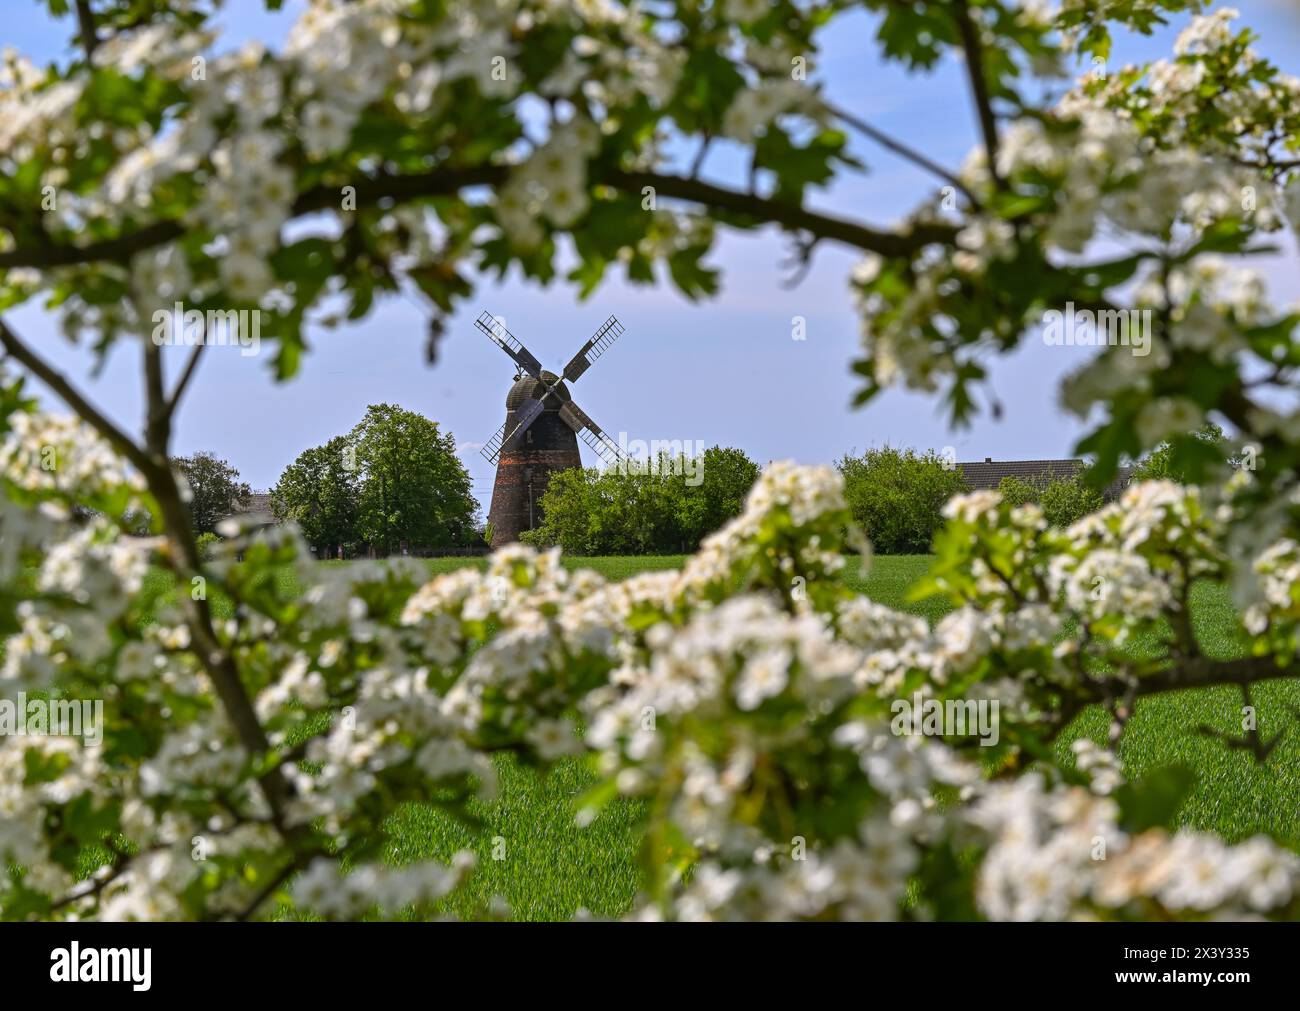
(631,516)
(896,496)
(726,476)
(666,508)
(1017,491)
(1068,500)
(215,489)
(569,506)
(414,492)
(1063,500)
(1175,457)
(320,492)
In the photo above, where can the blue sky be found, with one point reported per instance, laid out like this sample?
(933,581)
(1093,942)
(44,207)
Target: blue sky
(721,371)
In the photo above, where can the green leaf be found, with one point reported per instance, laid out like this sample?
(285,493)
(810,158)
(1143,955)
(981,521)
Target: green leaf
(1154,800)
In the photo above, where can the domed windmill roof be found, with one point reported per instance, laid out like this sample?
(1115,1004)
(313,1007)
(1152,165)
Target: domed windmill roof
(528,388)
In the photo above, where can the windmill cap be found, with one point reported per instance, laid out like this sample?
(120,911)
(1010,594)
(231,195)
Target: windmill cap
(528,388)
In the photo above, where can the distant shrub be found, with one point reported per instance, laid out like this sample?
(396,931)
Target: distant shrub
(661,510)
(1063,500)
(206,544)
(1193,452)
(1016,491)
(1069,500)
(896,496)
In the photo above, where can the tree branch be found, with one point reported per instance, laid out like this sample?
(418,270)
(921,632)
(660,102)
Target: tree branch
(69,394)
(117,250)
(793,217)
(191,366)
(370,191)
(973,48)
(153,465)
(86,27)
(157,422)
(217,661)
(1202,672)
(299,861)
(378,190)
(97,885)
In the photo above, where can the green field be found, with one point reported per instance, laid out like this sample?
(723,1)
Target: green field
(551,868)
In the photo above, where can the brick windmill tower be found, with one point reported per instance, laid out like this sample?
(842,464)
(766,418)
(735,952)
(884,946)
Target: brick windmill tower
(540,434)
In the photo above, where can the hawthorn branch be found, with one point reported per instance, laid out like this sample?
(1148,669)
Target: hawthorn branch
(792,217)
(1202,672)
(118,249)
(187,374)
(1119,692)
(299,861)
(218,662)
(157,424)
(384,189)
(97,885)
(69,394)
(370,191)
(974,51)
(153,466)
(86,28)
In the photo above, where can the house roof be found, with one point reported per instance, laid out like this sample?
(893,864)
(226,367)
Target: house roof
(257,504)
(990,472)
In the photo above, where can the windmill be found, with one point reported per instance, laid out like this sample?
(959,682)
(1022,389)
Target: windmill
(540,434)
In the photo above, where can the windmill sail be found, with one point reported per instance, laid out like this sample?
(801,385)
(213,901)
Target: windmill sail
(500,441)
(508,343)
(527,415)
(601,341)
(592,434)
(492,448)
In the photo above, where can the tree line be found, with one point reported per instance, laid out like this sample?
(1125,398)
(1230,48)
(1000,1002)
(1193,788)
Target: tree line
(897,496)
(394,483)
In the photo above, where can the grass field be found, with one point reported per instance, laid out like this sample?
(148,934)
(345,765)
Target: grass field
(550,868)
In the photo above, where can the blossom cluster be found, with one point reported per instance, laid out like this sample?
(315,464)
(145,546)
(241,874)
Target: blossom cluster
(1061,854)
(1128,196)
(234,143)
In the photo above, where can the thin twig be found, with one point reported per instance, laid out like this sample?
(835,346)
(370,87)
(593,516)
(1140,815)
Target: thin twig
(186,375)
(903,151)
(267,890)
